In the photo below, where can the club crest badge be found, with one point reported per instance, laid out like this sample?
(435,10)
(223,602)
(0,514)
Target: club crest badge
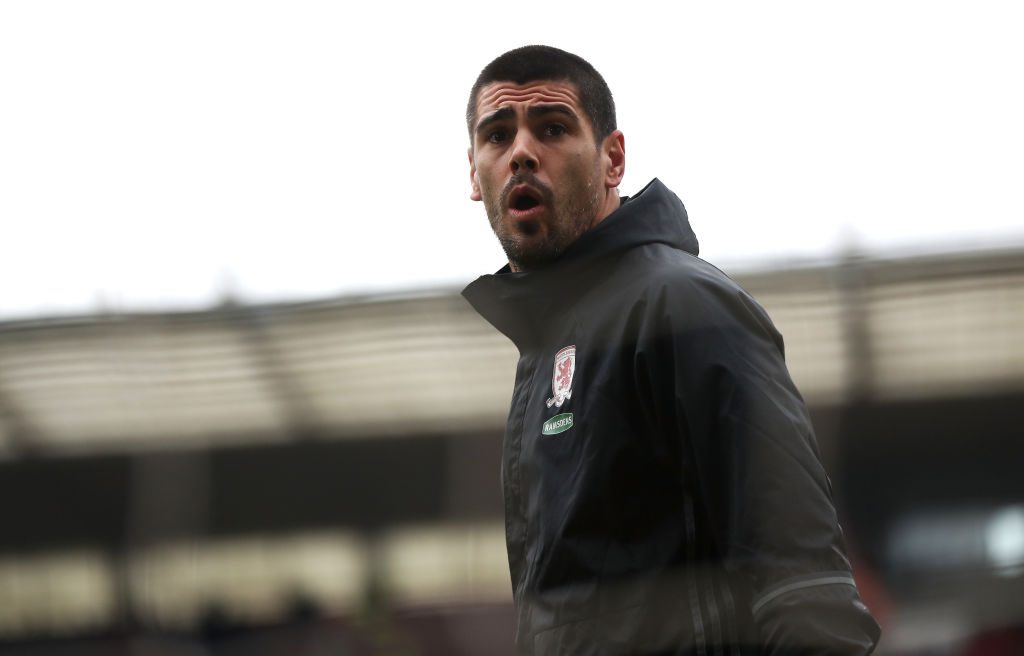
(561,379)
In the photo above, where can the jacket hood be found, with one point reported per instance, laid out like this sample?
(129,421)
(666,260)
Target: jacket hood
(508,300)
(654,215)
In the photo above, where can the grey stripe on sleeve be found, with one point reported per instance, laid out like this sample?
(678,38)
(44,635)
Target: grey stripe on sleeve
(789,585)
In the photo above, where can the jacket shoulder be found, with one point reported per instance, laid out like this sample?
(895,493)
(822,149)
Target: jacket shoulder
(680,274)
(689,290)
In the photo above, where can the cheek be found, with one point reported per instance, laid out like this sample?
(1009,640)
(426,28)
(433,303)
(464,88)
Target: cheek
(488,187)
(485,173)
(582,167)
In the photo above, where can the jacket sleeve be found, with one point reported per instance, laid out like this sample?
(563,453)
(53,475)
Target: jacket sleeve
(745,440)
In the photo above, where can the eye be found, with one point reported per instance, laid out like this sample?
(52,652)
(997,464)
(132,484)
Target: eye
(497,136)
(554,130)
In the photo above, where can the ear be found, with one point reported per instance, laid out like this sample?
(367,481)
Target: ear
(613,150)
(474,181)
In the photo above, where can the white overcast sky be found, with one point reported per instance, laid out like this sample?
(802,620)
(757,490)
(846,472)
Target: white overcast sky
(154,154)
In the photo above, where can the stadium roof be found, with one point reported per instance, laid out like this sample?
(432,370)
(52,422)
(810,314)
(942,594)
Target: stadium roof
(366,367)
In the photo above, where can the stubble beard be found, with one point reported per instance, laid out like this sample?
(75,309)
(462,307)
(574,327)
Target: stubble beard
(568,217)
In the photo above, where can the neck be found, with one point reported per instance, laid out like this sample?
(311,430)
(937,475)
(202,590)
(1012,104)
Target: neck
(610,203)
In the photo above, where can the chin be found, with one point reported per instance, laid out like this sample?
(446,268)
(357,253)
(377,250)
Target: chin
(528,230)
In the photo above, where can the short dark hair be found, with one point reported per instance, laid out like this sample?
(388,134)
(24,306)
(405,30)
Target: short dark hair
(533,63)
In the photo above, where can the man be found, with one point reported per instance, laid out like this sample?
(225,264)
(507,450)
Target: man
(663,490)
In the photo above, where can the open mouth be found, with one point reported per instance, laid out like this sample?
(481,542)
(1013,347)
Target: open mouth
(524,199)
(525,203)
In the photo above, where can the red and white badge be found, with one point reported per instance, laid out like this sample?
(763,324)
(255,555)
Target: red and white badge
(561,379)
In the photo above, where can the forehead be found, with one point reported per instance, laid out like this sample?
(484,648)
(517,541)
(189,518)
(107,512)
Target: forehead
(497,95)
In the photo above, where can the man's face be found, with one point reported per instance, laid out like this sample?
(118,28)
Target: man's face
(536,167)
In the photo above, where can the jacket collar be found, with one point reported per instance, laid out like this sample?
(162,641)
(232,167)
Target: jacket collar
(515,303)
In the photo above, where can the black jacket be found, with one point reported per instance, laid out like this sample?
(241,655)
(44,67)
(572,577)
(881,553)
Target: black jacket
(663,489)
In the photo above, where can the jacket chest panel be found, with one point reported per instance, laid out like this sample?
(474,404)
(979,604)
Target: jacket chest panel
(585,441)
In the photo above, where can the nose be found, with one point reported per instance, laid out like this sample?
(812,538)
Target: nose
(524,153)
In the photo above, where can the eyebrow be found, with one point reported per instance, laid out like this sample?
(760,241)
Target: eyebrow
(502,114)
(506,113)
(540,110)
